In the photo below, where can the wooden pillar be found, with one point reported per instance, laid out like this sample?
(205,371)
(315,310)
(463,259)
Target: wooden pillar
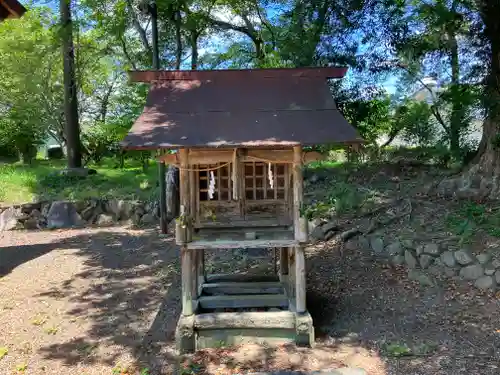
(187,281)
(184,189)
(283,261)
(300,280)
(200,269)
(297,194)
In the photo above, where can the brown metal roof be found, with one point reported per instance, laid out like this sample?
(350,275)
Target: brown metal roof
(247,109)
(11,9)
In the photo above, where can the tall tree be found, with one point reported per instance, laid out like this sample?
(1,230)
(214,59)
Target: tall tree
(73,145)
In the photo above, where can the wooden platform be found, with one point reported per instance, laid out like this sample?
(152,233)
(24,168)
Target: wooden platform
(223,238)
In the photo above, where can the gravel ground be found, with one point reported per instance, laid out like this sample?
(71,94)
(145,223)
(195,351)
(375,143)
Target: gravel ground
(90,301)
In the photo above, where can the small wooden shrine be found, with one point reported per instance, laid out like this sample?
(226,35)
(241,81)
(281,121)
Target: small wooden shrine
(239,138)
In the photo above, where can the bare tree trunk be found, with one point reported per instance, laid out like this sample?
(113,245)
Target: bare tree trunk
(70,98)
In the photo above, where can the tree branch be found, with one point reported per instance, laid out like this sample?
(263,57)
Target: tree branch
(125,52)
(140,30)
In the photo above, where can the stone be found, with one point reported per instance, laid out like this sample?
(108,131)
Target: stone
(438,262)
(104,220)
(495,263)
(408,244)
(435,270)
(489,270)
(150,218)
(421,277)
(45,209)
(31,223)
(332,225)
(448,259)
(87,213)
(363,243)
(27,208)
(472,272)
(35,213)
(398,259)
(395,248)
(318,233)
(464,257)
(450,272)
(377,245)
(432,249)
(62,214)
(497,277)
(425,260)
(410,259)
(420,250)
(483,258)
(80,205)
(8,218)
(76,172)
(485,283)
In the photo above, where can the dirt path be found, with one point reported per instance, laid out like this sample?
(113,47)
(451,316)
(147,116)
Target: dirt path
(87,301)
(96,300)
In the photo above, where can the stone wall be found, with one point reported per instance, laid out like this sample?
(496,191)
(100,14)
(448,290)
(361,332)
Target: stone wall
(427,262)
(65,214)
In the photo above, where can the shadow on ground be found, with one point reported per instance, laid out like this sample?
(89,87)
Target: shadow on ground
(126,294)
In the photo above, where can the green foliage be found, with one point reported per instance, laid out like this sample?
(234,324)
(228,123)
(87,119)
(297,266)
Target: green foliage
(396,350)
(471,217)
(342,198)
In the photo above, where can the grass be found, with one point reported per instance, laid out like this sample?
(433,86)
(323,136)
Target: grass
(39,321)
(3,352)
(471,217)
(37,182)
(51,330)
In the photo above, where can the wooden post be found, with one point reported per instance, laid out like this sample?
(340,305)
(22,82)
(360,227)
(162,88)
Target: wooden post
(200,269)
(300,280)
(184,189)
(297,194)
(283,261)
(187,281)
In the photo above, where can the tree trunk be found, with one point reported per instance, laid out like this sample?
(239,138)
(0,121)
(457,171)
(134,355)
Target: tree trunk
(456,107)
(70,99)
(482,179)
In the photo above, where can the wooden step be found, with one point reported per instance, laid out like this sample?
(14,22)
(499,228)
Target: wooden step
(231,277)
(235,288)
(278,319)
(243,301)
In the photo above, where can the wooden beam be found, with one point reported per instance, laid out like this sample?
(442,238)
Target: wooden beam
(230,277)
(224,156)
(169,158)
(203,75)
(235,288)
(300,280)
(187,281)
(244,244)
(243,301)
(274,319)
